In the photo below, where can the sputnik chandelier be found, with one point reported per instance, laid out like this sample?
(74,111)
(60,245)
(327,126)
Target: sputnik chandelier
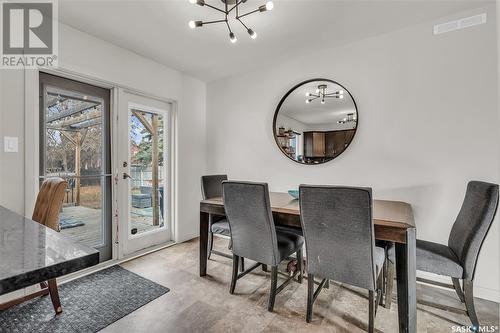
(322,94)
(349,119)
(230,6)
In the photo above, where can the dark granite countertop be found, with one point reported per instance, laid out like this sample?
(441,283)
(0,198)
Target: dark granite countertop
(31,253)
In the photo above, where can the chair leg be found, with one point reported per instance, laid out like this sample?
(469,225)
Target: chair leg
(242,264)
(274,285)
(389,284)
(469,303)
(210,244)
(54,295)
(380,282)
(310,297)
(384,276)
(458,289)
(299,265)
(371,310)
(44,285)
(234,277)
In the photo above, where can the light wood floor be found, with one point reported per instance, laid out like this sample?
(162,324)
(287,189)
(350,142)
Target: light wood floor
(197,304)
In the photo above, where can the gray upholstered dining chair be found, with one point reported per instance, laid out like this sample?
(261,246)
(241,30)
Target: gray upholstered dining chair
(248,210)
(458,259)
(340,242)
(211,187)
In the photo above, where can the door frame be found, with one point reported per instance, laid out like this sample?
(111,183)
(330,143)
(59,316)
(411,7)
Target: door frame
(106,176)
(132,243)
(31,140)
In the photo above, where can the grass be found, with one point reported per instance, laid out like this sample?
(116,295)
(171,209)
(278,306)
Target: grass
(90,196)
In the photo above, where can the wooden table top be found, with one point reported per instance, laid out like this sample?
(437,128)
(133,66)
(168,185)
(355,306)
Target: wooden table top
(394,214)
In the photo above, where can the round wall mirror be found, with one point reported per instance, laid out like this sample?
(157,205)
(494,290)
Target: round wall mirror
(315,121)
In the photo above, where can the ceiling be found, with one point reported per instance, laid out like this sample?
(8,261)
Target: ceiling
(315,113)
(159,29)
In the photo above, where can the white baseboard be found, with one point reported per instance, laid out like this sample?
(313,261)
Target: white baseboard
(186,238)
(479,291)
(487,293)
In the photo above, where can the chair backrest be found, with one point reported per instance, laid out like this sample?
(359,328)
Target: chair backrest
(49,201)
(472,224)
(211,186)
(248,210)
(338,231)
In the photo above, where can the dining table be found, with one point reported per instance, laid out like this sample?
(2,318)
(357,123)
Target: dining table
(393,221)
(31,253)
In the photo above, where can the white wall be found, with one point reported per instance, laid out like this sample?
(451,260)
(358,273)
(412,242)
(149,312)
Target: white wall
(12,124)
(287,123)
(1,130)
(92,57)
(498,85)
(428,123)
(498,80)
(191,164)
(290,123)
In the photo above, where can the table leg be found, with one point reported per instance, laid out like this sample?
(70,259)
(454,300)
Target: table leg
(407,283)
(203,243)
(54,296)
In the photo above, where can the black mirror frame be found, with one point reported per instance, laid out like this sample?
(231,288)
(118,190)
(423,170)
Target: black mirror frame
(283,100)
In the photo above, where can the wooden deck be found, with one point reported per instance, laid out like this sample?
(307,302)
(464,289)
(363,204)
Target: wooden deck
(91,233)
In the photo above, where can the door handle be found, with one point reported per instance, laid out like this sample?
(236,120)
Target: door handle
(126,175)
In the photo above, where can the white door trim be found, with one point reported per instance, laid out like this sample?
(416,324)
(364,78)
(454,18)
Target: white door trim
(31,139)
(126,103)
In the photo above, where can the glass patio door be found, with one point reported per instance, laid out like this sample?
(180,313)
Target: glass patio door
(75,145)
(145,179)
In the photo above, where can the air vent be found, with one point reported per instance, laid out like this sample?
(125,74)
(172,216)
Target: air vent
(460,24)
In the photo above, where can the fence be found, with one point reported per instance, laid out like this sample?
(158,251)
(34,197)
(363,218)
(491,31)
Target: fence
(142,176)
